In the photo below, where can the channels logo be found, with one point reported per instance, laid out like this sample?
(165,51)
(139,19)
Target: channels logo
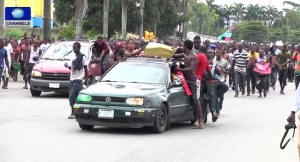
(17,13)
(17,17)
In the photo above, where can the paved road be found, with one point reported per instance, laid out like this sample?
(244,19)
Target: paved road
(37,130)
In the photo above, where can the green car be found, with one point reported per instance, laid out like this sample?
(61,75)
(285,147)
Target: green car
(134,93)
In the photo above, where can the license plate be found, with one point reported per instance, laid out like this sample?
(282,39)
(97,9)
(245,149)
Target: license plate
(53,85)
(106,114)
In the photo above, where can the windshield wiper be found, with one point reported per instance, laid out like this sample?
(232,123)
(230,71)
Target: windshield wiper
(47,58)
(107,81)
(62,59)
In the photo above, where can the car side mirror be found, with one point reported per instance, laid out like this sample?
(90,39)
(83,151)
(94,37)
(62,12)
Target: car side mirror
(96,60)
(35,58)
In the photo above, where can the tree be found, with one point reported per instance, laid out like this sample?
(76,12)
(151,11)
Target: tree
(124,18)
(227,12)
(80,13)
(47,20)
(1,18)
(253,31)
(239,10)
(291,3)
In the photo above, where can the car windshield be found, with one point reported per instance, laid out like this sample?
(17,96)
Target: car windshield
(64,52)
(150,73)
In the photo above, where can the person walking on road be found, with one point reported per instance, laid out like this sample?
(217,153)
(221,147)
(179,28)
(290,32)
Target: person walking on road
(3,58)
(78,69)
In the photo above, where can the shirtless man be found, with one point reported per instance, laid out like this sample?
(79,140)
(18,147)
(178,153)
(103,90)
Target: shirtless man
(26,51)
(130,52)
(282,58)
(34,51)
(189,71)
(117,55)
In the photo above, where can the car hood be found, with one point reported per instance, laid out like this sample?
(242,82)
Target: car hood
(154,94)
(120,89)
(51,66)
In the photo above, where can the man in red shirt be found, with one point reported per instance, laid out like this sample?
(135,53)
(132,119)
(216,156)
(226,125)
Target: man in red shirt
(104,52)
(203,64)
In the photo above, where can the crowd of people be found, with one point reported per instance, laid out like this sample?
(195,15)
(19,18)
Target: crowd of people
(19,55)
(210,69)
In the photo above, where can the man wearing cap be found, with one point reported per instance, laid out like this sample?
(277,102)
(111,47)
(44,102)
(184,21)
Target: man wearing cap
(117,55)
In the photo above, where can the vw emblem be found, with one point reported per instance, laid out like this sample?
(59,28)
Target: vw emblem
(54,74)
(108,100)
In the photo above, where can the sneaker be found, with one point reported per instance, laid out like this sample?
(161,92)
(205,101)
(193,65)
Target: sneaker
(71,117)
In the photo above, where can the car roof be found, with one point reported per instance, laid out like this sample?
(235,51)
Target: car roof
(147,60)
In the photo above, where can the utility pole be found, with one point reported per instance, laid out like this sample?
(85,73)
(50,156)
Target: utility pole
(105,17)
(1,18)
(47,20)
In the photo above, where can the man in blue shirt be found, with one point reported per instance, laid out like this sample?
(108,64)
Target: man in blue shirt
(3,57)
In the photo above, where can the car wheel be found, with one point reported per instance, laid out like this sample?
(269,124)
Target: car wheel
(35,93)
(161,121)
(86,127)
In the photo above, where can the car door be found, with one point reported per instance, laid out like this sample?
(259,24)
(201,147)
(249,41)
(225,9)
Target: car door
(177,102)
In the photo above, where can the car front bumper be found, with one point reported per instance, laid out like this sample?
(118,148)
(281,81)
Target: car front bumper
(124,117)
(43,85)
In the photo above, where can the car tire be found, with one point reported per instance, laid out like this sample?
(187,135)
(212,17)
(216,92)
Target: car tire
(86,127)
(35,93)
(161,121)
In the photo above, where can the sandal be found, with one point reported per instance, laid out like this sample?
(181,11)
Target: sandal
(25,87)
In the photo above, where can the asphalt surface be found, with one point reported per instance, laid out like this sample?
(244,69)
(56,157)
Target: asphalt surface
(248,130)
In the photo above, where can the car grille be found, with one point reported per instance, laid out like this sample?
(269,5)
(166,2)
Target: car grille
(114,120)
(113,99)
(55,76)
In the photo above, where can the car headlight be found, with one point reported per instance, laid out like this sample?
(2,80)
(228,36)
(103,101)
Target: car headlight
(135,101)
(35,73)
(84,98)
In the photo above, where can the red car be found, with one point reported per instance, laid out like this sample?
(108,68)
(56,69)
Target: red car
(49,73)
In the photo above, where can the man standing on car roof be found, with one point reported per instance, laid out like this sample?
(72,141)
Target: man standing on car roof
(78,69)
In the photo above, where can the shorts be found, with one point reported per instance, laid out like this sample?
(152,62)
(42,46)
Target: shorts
(198,88)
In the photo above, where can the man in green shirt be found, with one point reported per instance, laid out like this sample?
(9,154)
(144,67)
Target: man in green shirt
(282,58)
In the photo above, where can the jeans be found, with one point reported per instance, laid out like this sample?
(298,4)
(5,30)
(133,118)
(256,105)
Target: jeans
(251,79)
(282,77)
(1,71)
(261,83)
(291,72)
(222,88)
(297,80)
(103,60)
(213,98)
(193,87)
(273,77)
(239,79)
(74,88)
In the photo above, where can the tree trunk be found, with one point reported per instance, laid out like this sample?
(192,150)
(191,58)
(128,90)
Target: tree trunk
(124,18)
(1,18)
(80,12)
(185,23)
(141,29)
(47,20)
(105,17)
(155,28)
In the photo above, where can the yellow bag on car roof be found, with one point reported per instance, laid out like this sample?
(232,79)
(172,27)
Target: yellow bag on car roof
(159,50)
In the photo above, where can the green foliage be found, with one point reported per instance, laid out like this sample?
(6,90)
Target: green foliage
(253,31)
(92,34)
(16,33)
(67,32)
(159,12)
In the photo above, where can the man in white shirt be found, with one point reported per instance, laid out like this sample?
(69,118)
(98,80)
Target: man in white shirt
(45,45)
(294,109)
(78,69)
(9,51)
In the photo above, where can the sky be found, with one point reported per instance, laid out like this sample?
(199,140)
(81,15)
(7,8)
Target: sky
(277,3)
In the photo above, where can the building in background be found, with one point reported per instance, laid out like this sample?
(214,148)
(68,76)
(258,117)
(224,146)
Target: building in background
(37,10)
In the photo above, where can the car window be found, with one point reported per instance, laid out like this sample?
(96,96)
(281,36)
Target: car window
(150,73)
(61,51)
